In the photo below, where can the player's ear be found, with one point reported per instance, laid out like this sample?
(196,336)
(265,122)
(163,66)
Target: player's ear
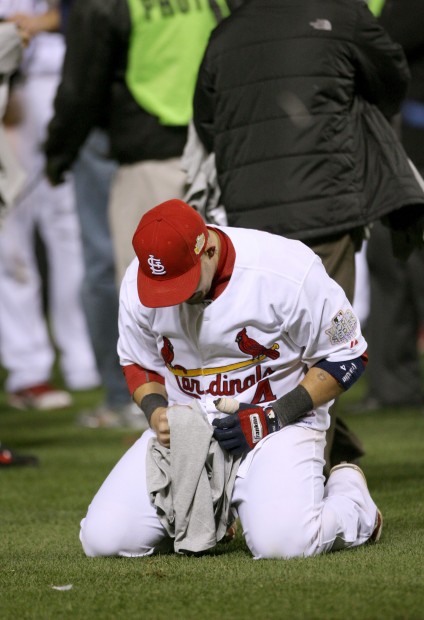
(210,251)
(210,247)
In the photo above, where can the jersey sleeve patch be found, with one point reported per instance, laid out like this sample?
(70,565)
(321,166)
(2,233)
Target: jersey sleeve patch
(343,328)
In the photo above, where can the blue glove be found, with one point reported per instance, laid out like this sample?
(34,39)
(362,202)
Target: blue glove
(240,432)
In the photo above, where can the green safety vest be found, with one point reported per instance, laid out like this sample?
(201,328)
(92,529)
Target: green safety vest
(376,6)
(167,43)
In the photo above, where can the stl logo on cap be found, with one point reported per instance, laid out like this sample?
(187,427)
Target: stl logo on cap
(156,266)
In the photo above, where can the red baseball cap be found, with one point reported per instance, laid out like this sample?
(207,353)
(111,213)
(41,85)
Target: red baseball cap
(169,242)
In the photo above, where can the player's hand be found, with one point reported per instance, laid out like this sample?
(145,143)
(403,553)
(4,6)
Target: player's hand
(159,423)
(240,432)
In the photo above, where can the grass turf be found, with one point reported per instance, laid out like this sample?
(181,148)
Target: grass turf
(41,508)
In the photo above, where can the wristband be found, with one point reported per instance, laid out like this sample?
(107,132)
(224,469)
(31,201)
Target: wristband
(292,406)
(150,403)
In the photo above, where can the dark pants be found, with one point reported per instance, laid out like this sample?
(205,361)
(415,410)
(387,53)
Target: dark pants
(396,314)
(93,173)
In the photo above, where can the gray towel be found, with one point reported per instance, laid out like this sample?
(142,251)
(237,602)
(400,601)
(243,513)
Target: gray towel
(191,484)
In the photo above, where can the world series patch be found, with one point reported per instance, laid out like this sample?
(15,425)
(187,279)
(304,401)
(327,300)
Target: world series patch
(343,327)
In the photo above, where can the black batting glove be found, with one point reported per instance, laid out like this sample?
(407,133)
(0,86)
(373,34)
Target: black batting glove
(240,432)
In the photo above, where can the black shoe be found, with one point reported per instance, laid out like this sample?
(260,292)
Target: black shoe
(9,458)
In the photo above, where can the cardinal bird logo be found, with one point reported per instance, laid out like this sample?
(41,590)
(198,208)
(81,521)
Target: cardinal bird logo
(252,347)
(167,351)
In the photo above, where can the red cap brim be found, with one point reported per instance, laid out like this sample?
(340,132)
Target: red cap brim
(163,293)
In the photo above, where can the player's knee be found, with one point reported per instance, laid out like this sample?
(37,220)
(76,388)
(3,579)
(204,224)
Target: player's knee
(105,532)
(282,542)
(112,530)
(284,548)
(95,540)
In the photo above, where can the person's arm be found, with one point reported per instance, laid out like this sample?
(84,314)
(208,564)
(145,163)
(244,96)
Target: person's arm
(84,91)
(382,69)
(318,387)
(32,24)
(203,105)
(239,432)
(141,362)
(334,350)
(147,389)
(321,386)
(152,399)
(403,20)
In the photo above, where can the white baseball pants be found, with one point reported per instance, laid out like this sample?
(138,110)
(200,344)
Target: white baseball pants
(26,350)
(284,508)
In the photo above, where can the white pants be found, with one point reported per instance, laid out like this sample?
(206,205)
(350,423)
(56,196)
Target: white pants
(137,188)
(284,508)
(26,350)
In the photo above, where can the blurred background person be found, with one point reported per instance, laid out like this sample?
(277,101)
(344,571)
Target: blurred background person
(125,96)
(27,351)
(396,316)
(140,61)
(13,177)
(294,100)
(93,171)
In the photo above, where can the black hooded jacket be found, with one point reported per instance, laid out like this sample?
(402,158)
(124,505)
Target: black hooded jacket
(294,96)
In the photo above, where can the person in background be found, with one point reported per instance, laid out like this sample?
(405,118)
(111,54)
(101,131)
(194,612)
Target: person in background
(396,315)
(293,99)
(12,41)
(26,349)
(92,172)
(142,62)
(120,99)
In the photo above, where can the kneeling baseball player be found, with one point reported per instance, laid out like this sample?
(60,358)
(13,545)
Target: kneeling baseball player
(234,343)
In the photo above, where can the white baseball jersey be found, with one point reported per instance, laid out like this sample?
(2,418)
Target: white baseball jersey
(279,315)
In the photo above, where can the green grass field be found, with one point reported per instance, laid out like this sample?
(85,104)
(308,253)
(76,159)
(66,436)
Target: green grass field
(40,510)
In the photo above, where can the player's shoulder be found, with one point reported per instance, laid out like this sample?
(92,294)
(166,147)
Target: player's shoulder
(261,238)
(128,288)
(131,271)
(269,252)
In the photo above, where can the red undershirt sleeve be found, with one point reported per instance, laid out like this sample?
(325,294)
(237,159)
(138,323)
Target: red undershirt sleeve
(135,376)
